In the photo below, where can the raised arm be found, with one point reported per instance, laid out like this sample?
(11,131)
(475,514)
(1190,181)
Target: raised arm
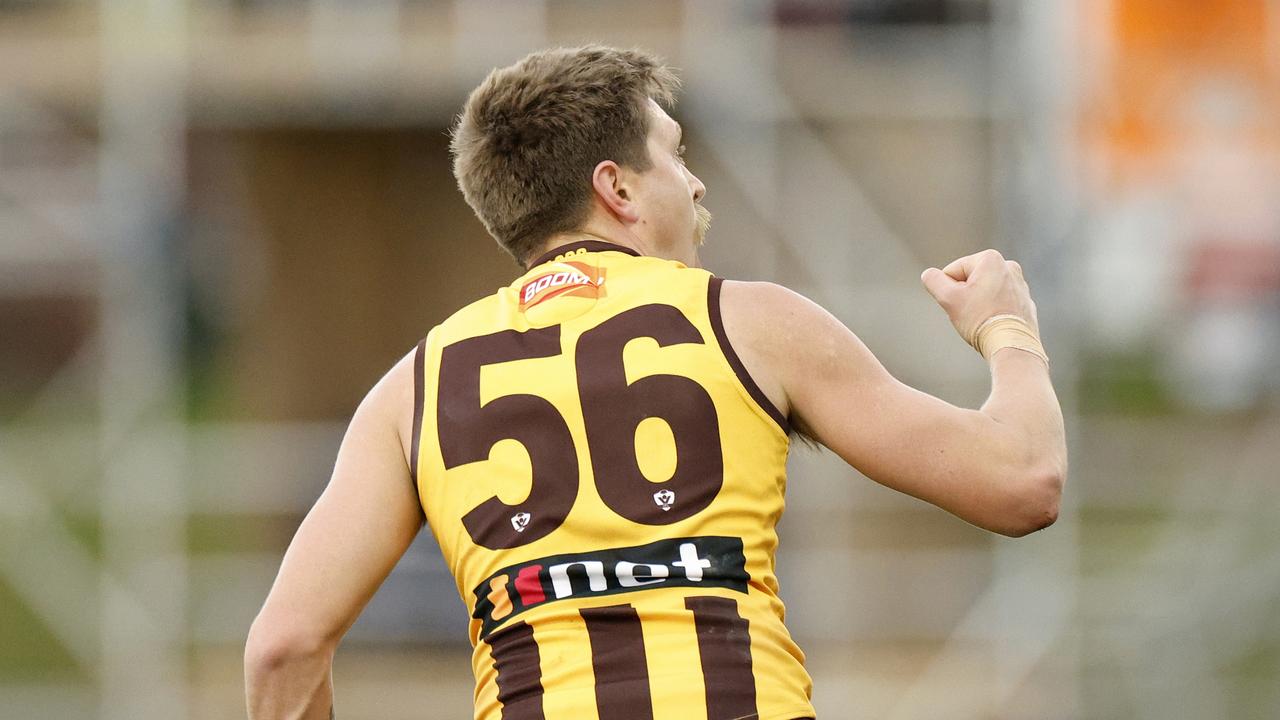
(350,540)
(1000,467)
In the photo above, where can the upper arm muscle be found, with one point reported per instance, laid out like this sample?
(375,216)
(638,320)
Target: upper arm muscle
(835,389)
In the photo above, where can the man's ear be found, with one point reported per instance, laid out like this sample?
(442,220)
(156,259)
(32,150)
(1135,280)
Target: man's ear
(609,183)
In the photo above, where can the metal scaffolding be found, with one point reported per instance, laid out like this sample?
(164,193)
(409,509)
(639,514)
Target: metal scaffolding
(95,113)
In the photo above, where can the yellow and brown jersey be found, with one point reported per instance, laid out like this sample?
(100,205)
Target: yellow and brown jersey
(604,479)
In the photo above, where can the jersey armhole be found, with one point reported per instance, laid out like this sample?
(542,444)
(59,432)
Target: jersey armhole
(744,377)
(419,398)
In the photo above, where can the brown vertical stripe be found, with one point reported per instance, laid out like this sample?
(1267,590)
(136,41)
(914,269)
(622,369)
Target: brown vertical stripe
(724,642)
(618,658)
(419,397)
(519,666)
(717,324)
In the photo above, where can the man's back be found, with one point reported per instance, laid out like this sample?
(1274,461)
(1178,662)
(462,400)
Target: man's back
(604,480)
(601,472)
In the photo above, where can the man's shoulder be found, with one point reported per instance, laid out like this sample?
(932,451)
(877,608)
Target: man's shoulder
(761,308)
(756,291)
(477,314)
(781,336)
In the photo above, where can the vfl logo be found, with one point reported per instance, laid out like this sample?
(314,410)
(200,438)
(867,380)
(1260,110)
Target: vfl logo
(520,521)
(574,279)
(664,499)
(706,561)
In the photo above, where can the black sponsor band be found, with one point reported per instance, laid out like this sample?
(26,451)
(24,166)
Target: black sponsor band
(709,561)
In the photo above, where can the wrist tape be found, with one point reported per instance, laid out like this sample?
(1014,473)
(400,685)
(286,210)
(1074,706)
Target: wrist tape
(1007,331)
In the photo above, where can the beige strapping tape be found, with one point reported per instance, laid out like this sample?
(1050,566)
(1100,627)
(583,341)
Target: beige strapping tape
(1007,331)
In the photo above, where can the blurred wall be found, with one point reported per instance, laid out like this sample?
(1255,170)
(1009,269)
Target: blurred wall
(320,256)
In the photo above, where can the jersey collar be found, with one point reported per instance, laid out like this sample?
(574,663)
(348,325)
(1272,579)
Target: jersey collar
(588,245)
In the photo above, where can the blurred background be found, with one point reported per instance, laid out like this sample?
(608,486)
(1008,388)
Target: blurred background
(222,220)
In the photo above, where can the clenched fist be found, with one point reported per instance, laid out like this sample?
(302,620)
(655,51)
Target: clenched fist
(979,286)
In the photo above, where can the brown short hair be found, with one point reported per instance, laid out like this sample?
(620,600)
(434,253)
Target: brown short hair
(531,134)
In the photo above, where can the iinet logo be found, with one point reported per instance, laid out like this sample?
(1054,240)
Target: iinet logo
(690,562)
(574,279)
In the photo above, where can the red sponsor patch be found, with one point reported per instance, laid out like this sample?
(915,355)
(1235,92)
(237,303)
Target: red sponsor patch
(565,278)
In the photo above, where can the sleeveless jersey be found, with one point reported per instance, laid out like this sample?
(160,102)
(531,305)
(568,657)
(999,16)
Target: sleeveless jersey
(604,478)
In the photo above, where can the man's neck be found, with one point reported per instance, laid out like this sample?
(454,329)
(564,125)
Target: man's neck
(564,239)
(630,242)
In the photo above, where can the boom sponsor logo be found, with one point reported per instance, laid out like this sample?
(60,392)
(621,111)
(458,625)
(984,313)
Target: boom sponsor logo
(709,561)
(573,279)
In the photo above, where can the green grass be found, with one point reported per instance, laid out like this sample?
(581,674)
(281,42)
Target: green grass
(205,534)
(1114,539)
(1127,383)
(28,651)
(239,533)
